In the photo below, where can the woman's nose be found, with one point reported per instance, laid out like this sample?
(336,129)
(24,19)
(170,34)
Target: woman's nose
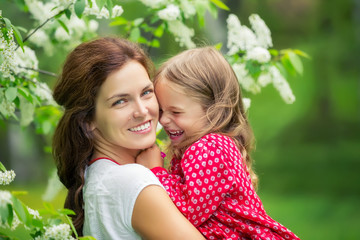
(140,109)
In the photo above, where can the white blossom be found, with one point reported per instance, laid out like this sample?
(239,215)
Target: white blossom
(6,108)
(25,59)
(170,13)
(182,33)
(43,91)
(246,103)
(245,79)
(34,213)
(7,177)
(259,54)
(39,37)
(264,79)
(187,8)
(61,35)
(239,37)
(117,11)
(95,11)
(41,11)
(262,32)
(5,198)
(7,54)
(57,232)
(281,85)
(93,25)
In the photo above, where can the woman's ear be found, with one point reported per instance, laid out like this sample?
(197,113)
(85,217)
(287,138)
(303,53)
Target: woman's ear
(90,126)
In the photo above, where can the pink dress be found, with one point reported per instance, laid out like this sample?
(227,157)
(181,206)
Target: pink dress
(211,186)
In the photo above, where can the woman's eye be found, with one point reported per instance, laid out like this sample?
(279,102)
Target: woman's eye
(147,92)
(117,102)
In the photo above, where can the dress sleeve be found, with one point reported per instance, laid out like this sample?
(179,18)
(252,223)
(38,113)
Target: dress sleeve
(205,181)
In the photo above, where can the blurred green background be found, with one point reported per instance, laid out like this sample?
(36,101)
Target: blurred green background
(307,154)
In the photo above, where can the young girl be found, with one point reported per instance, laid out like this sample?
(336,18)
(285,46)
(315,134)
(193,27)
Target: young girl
(211,180)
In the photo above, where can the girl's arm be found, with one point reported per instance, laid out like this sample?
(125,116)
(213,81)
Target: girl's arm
(202,185)
(156,217)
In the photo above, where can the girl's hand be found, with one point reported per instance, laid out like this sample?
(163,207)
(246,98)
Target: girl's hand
(150,157)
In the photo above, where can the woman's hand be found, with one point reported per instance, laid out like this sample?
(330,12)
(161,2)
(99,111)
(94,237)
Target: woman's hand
(150,157)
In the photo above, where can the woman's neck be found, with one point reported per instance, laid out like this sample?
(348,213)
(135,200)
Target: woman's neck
(119,154)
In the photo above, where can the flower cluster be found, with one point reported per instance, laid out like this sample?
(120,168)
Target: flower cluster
(76,28)
(253,66)
(7,47)
(7,177)
(174,13)
(61,231)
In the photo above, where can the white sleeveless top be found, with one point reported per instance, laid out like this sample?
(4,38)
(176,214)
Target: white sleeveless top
(109,194)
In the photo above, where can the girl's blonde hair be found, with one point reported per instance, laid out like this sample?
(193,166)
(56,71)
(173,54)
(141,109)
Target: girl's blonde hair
(205,76)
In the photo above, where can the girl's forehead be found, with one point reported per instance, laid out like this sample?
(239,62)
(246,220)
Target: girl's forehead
(165,84)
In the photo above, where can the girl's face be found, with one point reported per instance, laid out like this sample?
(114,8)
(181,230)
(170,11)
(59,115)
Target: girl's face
(180,115)
(127,111)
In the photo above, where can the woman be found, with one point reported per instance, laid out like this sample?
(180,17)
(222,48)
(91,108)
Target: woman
(110,115)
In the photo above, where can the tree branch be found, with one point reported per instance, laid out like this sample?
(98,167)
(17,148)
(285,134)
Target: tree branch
(41,25)
(40,71)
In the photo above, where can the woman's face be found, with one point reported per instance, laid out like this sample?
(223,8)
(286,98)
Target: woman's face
(127,111)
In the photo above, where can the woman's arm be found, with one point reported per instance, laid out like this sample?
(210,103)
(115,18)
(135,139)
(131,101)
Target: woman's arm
(156,217)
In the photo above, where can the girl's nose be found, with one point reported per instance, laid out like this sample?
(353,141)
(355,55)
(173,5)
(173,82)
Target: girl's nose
(164,119)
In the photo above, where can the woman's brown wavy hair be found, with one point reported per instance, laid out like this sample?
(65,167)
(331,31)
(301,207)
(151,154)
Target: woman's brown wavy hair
(84,71)
(206,76)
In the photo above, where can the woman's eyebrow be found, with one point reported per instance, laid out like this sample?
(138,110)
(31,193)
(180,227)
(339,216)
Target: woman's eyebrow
(120,95)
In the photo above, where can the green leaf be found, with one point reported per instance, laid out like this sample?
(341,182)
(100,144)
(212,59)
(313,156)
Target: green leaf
(201,10)
(296,62)
(218,46)
(134,34)
(25,93)
(109,6)
(87,238)
(100,4)
(21,211)
(63,26)
(67,13)
(2,167)
(5,213)
(301,53)
(288,65)
(27,110)
(11,93)
(18,37)
(138,21)
(143,40)
(50,209)
(274,52)
(118,21)
(159,31)
(155,43)
(213,10)
(66,211)
(220,4)
(7,23)
(79,7)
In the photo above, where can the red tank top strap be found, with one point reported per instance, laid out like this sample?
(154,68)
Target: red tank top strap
(105,158)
